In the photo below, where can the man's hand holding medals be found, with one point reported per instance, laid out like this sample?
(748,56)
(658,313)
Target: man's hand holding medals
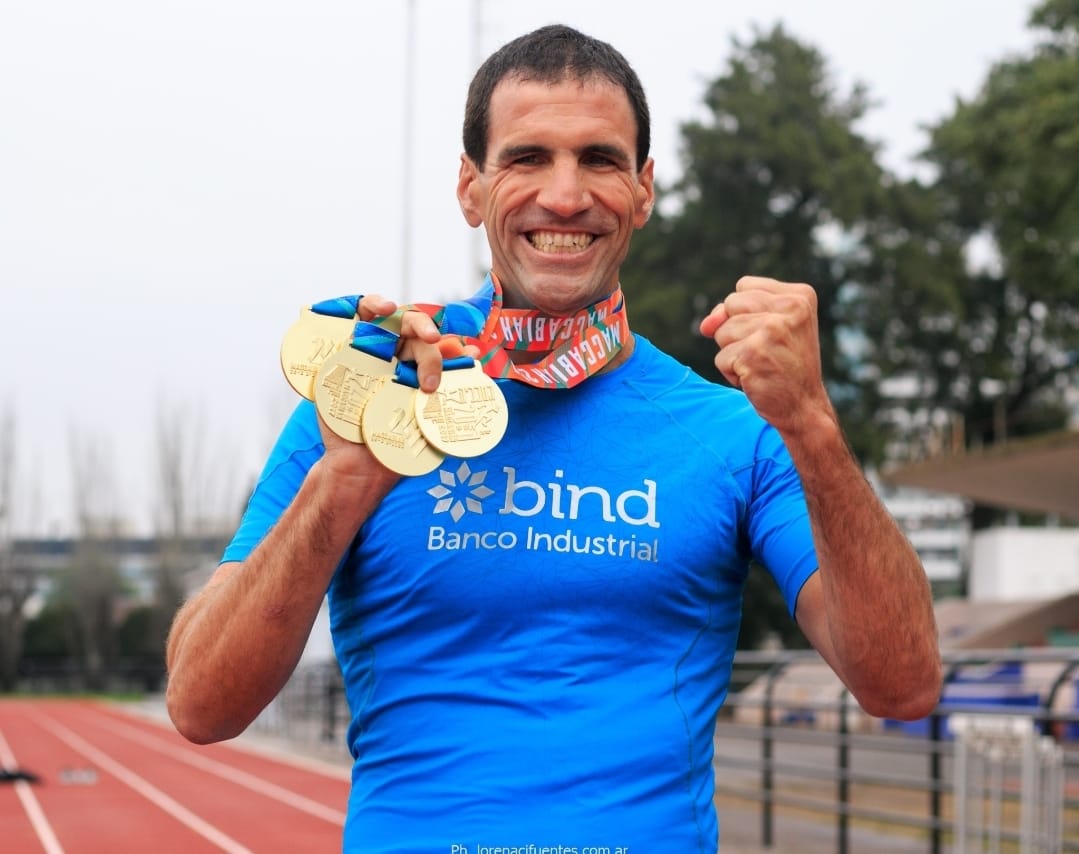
(417,383)
(389,379)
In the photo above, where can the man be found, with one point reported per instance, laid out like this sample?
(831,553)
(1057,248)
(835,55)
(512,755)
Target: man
(535,642)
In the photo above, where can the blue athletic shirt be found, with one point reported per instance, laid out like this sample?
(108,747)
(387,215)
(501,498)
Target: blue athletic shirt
(536,642)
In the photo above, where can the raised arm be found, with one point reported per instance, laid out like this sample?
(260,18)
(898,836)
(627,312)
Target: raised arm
(868,610)
(233,646)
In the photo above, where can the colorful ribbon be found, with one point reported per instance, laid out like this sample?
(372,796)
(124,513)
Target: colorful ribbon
(577,346)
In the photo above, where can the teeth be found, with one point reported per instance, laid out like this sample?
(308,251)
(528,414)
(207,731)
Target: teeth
(558,241)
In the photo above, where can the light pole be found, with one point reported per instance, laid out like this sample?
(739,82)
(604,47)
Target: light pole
(477,265)
(406,148)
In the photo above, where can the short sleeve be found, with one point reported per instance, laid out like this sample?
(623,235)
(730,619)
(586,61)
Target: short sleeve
(778,521)
(298,447)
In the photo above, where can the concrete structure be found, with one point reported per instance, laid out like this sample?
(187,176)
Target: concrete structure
(1023,583)
(1024,563)
(1033,569)
(1036,474)
(42,561)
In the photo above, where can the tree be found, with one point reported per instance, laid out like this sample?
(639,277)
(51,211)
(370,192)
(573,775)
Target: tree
(777,182)
(765,618)
(138,647)
(92,587)
(16,582)
(196,496)
(49,639)
(978,292)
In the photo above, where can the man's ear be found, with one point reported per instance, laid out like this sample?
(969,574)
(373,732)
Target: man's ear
(468,192)
(646,193)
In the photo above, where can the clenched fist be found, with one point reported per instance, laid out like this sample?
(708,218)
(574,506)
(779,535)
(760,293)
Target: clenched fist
(769,347)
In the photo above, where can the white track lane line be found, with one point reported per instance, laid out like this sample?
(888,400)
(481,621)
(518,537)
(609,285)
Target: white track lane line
(147,790)
(30,803)
(227,772)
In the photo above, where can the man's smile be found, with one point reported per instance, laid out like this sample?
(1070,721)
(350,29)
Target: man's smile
(560,242)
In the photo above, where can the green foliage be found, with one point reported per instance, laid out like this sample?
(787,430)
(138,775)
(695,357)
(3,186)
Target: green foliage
(1061,17)
(967,286)
(53,643)
(49,636)
(777,183)
(764,615)
(983,266)
(137,635)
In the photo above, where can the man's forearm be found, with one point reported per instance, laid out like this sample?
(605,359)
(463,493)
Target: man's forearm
(877,604)
(234,645)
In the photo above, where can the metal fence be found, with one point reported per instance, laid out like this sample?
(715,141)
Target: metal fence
(311,709)
(791,742)
(990,751)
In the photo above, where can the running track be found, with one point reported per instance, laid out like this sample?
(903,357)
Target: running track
(114,782)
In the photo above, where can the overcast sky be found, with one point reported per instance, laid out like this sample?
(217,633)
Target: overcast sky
(179,177)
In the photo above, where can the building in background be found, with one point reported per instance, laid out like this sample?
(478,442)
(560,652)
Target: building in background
(1022,582)
(938,526)
(1016,564)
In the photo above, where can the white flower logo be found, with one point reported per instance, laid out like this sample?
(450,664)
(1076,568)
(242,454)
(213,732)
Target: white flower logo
(460,492)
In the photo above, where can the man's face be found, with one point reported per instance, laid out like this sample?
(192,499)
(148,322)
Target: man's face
(560,194)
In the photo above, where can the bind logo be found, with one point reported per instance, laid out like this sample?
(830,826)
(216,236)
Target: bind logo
(566,500)
(462,491)
(576,519)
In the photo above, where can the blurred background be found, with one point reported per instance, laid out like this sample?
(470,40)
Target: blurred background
(178,179)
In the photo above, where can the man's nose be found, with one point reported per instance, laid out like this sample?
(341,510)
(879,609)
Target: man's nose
(565,191)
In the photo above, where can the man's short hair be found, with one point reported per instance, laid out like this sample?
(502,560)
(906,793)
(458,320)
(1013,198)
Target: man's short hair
(551,55)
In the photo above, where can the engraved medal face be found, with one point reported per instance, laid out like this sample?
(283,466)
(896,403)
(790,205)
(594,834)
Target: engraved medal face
(392,435)
(345,382)
(308,343)
(467,415)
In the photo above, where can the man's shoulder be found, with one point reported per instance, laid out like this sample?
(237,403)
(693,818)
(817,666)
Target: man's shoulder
(299,442)
(663,374)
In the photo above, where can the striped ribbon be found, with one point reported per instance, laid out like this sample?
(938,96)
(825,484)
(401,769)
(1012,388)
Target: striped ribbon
(577,346)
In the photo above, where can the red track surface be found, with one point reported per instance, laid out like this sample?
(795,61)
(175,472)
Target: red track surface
(112,782)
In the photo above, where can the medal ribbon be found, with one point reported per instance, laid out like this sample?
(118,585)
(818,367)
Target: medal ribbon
(375,340)
(577,346)
(405,372)
(338,307)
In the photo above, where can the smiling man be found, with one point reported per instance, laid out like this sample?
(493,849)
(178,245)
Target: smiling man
(536,640)
(559,190)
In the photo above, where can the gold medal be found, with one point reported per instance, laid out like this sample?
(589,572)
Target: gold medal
(467,415)
(345,383)
(308,343)
(391,433)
